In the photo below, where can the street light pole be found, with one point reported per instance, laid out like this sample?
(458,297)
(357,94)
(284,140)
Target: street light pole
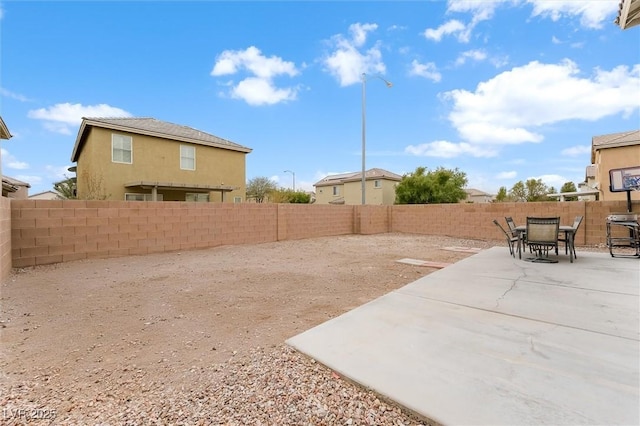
(364,128)
(294,178)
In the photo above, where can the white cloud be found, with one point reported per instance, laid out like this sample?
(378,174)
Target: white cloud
(347,62)
(259,88)
(577,150)
(359,32)
(252,60)
(510,107)
(475,55)
(592,13)
(9,94)
(451,27)
(445,149)
(60,118)
(258,91)
(30,179)
(507,175)
(552,180)
(11,162)
(428,70)
(58,173)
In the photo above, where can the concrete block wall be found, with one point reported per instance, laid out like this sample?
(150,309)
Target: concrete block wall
(373,219)
(5,238)
(35,232)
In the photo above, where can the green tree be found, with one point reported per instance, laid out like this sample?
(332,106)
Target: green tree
(66,188)
(569,187)
(531,190)
(502,196)
(259,188)
(284,195)
(437,186)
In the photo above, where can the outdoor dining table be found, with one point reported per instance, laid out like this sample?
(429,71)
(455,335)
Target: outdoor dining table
(569,237)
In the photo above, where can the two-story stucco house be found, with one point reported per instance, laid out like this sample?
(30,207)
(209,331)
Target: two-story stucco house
(346,188)
(612,151)
(143,159)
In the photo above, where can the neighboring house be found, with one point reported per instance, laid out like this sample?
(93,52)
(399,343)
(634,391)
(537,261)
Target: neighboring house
(346,188)
(46,195)
(14,188)
(4,134)
(612,151)
(477,196)
(144,159)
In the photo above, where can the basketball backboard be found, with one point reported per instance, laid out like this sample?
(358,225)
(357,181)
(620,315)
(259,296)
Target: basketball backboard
(624,179)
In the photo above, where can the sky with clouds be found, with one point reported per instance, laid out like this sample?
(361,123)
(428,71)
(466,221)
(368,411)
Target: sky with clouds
(502,90)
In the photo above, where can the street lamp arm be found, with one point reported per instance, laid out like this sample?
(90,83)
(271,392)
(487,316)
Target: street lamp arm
(293,174)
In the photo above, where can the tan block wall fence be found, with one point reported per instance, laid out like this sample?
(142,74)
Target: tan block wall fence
(5,237)
(35,232)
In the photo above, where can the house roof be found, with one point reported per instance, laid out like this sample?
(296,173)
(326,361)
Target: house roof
(614,140)
(357,176)
(152,127)
(14,181)
(628,14)
(472,192)
(49,195)
(4,130)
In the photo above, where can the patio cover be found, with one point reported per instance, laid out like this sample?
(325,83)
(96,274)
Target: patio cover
(628,14)
(154,186)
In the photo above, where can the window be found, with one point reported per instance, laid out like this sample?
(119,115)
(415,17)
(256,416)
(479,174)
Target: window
(197,197)
(130,196)
(121,149)
(336,190)
(237,199)
(187,157)
(377,183)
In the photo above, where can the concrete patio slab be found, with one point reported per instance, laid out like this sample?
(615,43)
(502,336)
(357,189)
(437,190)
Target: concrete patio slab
(496,340)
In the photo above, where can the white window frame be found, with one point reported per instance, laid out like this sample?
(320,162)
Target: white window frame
(237,199)
(336,190)
(122,139)
(184,156)
(377,183)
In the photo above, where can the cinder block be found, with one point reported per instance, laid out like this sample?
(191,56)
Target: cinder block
(34,251)
(61,249)
(45,260)
(61,212)
(23,262)
(70,257)
(73,221)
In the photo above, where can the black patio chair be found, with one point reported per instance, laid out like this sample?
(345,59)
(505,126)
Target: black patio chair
(542,235)
(564,236)
(511,239)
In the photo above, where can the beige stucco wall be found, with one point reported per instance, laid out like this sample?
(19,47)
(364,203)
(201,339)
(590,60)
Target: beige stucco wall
(352,193)
(157,160)
(324,194)
(615,158)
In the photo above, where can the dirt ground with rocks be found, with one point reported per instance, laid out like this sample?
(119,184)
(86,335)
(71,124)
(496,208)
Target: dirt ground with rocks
(89,341)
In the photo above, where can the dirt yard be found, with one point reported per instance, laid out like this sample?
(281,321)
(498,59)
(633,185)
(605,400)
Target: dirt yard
(84,327)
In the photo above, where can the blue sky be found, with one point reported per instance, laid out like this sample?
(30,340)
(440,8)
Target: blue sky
(503,90)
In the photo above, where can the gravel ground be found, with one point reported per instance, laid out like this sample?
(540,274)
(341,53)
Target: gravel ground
(196,338)
(276,386)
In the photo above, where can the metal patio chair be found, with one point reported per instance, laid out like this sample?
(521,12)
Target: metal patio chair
(563,238)
(511,239)
(542,236)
